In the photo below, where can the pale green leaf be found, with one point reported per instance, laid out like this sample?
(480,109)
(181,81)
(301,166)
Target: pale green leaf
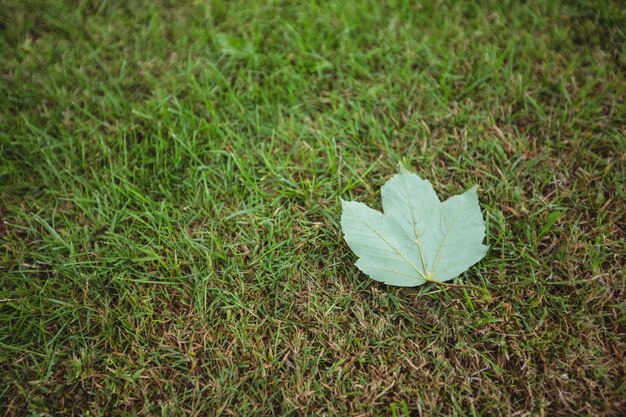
(418,238)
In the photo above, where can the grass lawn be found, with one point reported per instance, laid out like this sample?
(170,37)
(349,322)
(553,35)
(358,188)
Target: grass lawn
(170,184)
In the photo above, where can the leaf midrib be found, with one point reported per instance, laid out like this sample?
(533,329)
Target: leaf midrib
(417,238)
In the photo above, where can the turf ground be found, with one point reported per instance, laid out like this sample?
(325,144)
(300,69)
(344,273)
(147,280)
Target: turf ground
(170,179)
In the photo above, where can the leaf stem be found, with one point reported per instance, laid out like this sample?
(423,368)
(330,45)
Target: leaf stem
(451,285)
